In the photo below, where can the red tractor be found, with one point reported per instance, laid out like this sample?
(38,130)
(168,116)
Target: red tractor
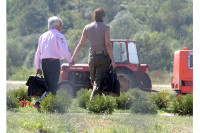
(182,81)
(130,73)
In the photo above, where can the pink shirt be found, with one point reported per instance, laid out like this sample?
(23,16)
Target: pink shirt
(52,44)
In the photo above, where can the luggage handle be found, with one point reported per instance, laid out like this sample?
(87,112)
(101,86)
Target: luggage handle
(38,76)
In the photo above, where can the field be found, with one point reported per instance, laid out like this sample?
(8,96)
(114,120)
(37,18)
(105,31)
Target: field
(28,120)
(32,121)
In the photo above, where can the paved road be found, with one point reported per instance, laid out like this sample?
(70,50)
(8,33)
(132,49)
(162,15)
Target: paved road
(24,82)
(15,82)
(167,86)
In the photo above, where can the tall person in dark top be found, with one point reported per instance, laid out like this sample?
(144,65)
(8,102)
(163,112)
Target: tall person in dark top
(100,52)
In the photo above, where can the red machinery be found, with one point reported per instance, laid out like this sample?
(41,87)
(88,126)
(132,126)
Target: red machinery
(130,73)
(182,81)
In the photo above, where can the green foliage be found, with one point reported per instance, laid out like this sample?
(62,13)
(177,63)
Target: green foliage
(14,55)
(32,21)
(159,27)
(102,104)
(162,99)
(56,103)
(143,107)
(138,94)
(20,73)
(48,103)
(14,96)
(142,102)
(63,101)
(183,105)
(11,100)
(124,101)
(150,54)
(83,97)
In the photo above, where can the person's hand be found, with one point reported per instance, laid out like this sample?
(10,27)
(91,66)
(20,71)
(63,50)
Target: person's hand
(72,63)
(39,71)
(113,65)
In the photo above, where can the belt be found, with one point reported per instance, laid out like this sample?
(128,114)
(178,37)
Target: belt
(100,52)
(50,59)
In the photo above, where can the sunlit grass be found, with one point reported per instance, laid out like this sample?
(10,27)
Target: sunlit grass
(28,120)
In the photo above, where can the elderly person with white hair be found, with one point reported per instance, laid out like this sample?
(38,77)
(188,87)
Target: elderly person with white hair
(52,47)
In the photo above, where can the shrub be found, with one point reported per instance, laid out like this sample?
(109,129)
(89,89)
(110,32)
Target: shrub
(63,101)
(183,105)
(14,96)
(138,94)
(102,104)
(56,103)
(11,100)
(161,99)
(144,107)
(142,102)
(83,97)
(48,103)
(124,101)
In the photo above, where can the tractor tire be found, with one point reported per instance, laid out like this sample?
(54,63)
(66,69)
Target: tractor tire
(67,86)
(145,82)
(127,79)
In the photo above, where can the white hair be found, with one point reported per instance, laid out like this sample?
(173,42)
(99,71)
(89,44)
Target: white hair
(53,22)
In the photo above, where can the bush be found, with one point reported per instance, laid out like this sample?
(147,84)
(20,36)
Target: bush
(102,104)
(14,96)
(138,94)
(56,103)
(183,105)
(11,100)
(124,101)
(144,107)
(142,102)
(162,99)
(83,97)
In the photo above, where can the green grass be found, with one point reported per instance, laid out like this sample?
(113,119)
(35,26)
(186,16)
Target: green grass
(28,120)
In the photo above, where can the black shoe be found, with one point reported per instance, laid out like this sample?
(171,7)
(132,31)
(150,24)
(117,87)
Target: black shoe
(37,106)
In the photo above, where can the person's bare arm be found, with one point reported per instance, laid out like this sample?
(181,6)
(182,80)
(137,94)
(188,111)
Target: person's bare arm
(80,44)
(108,46)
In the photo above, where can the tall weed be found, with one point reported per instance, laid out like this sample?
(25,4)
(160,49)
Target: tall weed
(183,105)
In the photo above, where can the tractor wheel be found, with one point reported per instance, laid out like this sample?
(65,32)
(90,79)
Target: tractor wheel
(145,82)
(67,86)
(126,79)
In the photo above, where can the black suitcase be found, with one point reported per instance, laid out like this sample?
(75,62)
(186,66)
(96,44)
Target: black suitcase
(110,84)
(36,86)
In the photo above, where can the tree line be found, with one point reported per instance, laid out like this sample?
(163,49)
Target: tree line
(159,27)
